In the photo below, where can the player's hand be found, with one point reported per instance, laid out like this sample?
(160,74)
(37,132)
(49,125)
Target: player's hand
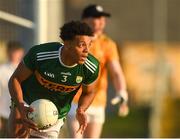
(24,110)
(121,97)
(82,119)
(123,110)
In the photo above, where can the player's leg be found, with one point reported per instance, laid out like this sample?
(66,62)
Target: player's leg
(95,122)
(15,126)
(72,122)
(93,130)
(73,126)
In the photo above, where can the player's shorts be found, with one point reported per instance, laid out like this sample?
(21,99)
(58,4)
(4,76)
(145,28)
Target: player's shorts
(94,113)
(51,132)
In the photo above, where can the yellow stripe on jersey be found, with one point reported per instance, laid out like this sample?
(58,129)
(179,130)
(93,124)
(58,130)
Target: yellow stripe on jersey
(54,86)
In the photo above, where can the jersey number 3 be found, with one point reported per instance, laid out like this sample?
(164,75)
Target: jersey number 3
(64,78)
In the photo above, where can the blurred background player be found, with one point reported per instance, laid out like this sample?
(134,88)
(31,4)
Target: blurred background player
(105,50)
(15,53)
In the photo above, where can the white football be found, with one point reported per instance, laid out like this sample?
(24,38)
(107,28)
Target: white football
(45,113)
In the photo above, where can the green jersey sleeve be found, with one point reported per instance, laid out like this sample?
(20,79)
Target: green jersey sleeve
(91,66)
(30,59)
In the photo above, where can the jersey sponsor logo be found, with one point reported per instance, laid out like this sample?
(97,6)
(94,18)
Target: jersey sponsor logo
(51,75)
(54,86)
(79,79)
(90,66)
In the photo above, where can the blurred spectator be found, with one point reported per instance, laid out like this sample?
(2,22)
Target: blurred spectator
(15,53)
(105,50)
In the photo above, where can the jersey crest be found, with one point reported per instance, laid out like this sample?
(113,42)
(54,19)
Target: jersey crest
(79,79)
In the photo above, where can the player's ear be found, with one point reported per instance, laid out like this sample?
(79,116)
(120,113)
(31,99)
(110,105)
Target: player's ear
(69,44)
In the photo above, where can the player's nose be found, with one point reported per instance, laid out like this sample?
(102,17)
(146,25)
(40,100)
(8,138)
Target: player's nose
(86,49)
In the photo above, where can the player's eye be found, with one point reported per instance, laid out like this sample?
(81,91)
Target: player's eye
(82,44)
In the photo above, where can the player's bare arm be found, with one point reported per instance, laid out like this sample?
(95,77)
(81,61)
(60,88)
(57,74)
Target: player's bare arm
(20,74)
(85,100)
(19,111)
(120,86)
(117,75)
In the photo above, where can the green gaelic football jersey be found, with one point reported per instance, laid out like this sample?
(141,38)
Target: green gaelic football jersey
(53,80)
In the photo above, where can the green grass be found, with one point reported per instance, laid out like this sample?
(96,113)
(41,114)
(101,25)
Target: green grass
(134,125)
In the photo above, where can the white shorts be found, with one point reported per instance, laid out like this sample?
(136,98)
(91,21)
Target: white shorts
(51,132)
(94,113)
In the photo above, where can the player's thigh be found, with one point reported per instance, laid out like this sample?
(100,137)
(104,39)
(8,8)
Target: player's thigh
(96,118)
(93,130)
(73,126)
(96,114)
(72,122)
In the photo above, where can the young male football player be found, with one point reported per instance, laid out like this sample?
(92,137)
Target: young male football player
(54,71)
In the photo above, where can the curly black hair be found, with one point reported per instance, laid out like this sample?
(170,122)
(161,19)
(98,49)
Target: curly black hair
(73,28)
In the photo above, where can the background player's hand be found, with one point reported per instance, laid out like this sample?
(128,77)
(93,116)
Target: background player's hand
(24,110)
(123,110)
(121,97)
(82,119)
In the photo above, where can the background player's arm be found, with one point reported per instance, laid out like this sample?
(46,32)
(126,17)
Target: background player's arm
(120,87)
(115,71)
(117,77)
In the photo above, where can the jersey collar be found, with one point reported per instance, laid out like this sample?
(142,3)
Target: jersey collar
(62,62)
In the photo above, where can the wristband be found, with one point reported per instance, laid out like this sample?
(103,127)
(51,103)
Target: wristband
(123,95)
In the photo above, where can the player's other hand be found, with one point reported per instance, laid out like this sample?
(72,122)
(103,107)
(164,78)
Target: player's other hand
(122,99)
(123,110)
(24,110)
(123,107)
(82,119)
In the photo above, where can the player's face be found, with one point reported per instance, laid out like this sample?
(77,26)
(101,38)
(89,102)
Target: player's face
(80,48)
(97,24)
